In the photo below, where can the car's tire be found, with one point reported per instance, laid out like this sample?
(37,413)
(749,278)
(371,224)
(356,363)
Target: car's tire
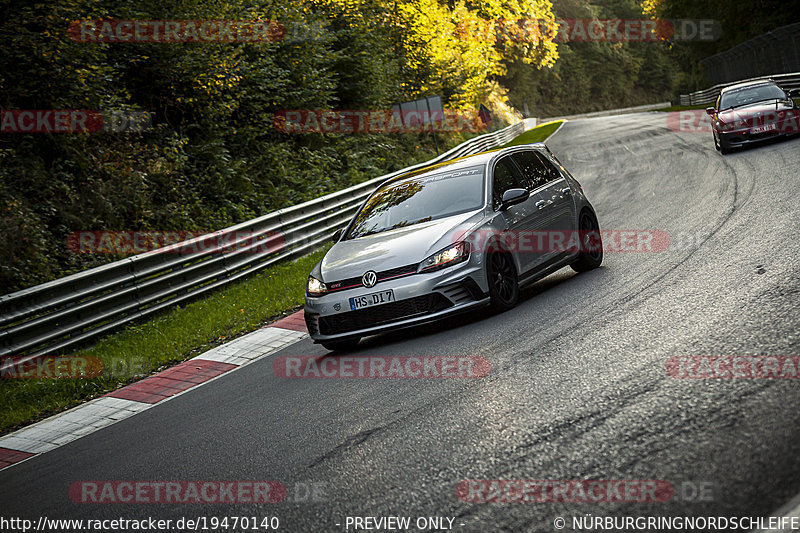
(724,149)
(503,281)
(591,254)
(720,145)
(341,346)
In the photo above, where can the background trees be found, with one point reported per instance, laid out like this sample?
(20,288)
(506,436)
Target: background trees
(595,75)
(212,157)
(739,21)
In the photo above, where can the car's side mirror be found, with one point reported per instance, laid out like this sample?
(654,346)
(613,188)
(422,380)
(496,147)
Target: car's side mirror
(514,197)
(710,110)
(794,93)
(337,235)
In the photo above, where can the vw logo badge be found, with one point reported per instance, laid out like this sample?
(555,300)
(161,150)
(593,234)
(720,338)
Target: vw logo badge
(369,279)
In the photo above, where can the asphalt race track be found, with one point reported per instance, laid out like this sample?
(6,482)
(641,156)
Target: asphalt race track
(578,387)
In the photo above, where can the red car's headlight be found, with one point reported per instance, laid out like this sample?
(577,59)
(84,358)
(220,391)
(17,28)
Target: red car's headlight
(724,126)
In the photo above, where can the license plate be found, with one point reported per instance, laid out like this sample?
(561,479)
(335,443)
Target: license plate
(765,128)
(376,298)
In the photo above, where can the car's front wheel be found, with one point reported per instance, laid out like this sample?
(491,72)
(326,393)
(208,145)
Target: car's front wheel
(591,254)
(341,346)
(503,282)
(720,145)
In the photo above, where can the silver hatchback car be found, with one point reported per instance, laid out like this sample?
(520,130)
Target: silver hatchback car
(449,238)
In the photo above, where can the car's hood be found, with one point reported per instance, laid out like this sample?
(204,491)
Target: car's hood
(755,114)
(394,248)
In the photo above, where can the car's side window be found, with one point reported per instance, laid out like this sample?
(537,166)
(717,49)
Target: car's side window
(552,172)
(506,176)
(532,167)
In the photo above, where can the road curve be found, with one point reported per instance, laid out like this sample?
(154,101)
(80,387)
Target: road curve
(578,387)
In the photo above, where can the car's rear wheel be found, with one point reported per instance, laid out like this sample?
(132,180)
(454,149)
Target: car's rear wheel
(341,346)
(503,282)
(591,255)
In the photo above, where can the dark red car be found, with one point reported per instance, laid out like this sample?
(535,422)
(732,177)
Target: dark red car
(751,112)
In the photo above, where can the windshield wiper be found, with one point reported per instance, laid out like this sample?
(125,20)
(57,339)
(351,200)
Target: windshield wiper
(752,103)
(740,105)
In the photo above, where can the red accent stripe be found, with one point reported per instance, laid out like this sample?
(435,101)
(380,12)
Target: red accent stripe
(295,322)
(343,288)
(8,457)
(172,381)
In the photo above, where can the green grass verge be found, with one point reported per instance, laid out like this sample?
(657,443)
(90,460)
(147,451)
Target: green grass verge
(683,107)
(534,135)
(177,335)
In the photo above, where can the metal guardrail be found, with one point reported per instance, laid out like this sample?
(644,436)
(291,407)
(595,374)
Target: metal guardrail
(708,96)
(59,315)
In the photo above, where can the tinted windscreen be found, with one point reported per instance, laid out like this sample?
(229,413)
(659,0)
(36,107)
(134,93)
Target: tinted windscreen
(420,199)
(750,95)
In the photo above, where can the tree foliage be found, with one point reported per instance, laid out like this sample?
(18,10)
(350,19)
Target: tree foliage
(212,157)
(739,21)
(594,75)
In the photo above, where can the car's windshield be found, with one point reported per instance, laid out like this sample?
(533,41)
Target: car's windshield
(420,199)
(749,95)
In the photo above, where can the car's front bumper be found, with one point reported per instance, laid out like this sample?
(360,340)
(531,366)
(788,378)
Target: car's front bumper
(418,298)
(744,137)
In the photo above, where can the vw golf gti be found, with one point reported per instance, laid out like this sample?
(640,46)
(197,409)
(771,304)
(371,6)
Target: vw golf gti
(449,238)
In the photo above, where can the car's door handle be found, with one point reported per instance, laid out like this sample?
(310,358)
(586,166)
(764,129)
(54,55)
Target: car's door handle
(565,190)
(540,204)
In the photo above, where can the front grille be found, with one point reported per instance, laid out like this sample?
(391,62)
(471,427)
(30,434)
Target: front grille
(383,314)
(762,136)
(752,137)
(384,275)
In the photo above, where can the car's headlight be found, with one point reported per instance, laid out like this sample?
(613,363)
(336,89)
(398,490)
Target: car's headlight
(725,126)
(315,287)
(451,255)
